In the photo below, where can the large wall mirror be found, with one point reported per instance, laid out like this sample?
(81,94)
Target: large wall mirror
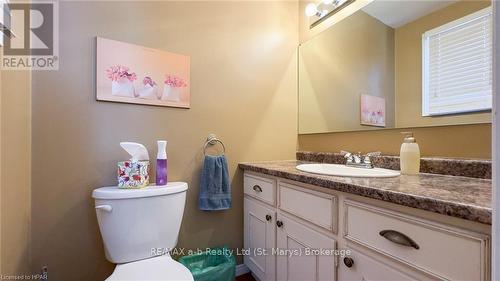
(398,64)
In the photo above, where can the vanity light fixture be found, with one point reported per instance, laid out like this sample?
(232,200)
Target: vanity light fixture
(312,10)
(319,12)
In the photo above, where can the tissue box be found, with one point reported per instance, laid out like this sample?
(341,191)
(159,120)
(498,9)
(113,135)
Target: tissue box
(133,174)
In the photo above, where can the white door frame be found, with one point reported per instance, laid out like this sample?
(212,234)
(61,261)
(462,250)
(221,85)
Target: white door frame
(495,265)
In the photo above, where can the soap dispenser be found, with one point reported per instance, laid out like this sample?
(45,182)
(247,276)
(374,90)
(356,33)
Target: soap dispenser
(409,155)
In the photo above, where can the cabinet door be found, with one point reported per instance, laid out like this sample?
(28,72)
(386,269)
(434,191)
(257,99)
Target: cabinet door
(260,235)
(295,260)
(363,268)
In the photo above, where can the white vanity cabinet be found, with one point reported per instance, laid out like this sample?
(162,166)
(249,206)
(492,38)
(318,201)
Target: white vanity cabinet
(283,246)
(300,262)
(260,233)
(300,226)
(260,225)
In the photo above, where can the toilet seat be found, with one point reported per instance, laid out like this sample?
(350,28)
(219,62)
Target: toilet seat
(162,268)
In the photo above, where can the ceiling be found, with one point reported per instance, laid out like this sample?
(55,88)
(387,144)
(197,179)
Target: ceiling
(396,13)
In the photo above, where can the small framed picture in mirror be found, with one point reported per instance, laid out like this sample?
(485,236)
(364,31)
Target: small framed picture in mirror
(372,111)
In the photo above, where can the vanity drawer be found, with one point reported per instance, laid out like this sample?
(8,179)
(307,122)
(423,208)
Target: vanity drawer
(444,252)
(260,187)
(315,207)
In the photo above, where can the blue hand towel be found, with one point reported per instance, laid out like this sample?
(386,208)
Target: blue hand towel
(215,189)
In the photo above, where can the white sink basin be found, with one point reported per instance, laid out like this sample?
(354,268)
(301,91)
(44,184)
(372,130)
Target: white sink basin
(345,171)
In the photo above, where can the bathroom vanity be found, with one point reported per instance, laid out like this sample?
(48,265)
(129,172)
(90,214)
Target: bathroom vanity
(425,227)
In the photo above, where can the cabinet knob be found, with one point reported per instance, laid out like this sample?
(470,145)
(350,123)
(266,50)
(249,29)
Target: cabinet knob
(268,217)
(279,223)
(349,262)
(257,188)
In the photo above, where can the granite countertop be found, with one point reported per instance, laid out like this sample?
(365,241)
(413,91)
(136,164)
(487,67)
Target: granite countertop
(462,197)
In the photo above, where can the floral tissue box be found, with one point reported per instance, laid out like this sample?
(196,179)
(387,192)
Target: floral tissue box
(133,174)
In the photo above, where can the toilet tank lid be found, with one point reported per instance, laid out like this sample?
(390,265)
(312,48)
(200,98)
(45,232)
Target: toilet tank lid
(113,192)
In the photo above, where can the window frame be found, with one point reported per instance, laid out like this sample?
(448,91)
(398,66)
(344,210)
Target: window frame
(425,61)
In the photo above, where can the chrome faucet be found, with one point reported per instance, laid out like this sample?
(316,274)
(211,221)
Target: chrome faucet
(358,160)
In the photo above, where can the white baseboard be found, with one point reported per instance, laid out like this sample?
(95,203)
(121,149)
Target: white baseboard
(241,269)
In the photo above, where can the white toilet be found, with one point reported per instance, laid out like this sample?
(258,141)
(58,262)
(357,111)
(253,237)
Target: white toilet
(138,227)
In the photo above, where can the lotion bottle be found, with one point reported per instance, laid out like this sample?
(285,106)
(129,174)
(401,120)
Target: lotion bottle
(161,163)
(409,155)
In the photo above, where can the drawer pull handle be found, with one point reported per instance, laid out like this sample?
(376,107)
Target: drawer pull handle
(268,217)
(349,262)
(398,238)
(257,188)
(279,223)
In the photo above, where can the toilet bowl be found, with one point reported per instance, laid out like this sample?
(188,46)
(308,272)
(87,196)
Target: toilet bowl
(137,225)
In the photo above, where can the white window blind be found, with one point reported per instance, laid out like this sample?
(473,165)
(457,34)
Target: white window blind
(457,66)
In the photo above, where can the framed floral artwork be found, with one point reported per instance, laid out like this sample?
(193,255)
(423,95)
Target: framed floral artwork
(372,111)
(135,74)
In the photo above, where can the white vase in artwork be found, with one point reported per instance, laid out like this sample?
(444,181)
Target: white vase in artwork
(171,93)
(148,92)
(123,87)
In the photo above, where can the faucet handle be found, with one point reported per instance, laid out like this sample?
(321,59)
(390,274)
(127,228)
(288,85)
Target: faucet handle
(367,159)
(345,153)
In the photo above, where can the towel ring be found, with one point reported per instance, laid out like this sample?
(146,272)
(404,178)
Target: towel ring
(212,140)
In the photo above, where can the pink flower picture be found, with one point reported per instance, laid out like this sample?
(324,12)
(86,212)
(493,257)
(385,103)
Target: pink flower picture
(372,111)
(134,74)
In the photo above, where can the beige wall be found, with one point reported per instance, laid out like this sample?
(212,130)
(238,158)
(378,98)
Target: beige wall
(15,171)
(352,58)
(409,68)
(243,75)
(15,122)
(467,141)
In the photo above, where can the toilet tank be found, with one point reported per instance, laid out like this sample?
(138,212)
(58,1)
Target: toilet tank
(136,224)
